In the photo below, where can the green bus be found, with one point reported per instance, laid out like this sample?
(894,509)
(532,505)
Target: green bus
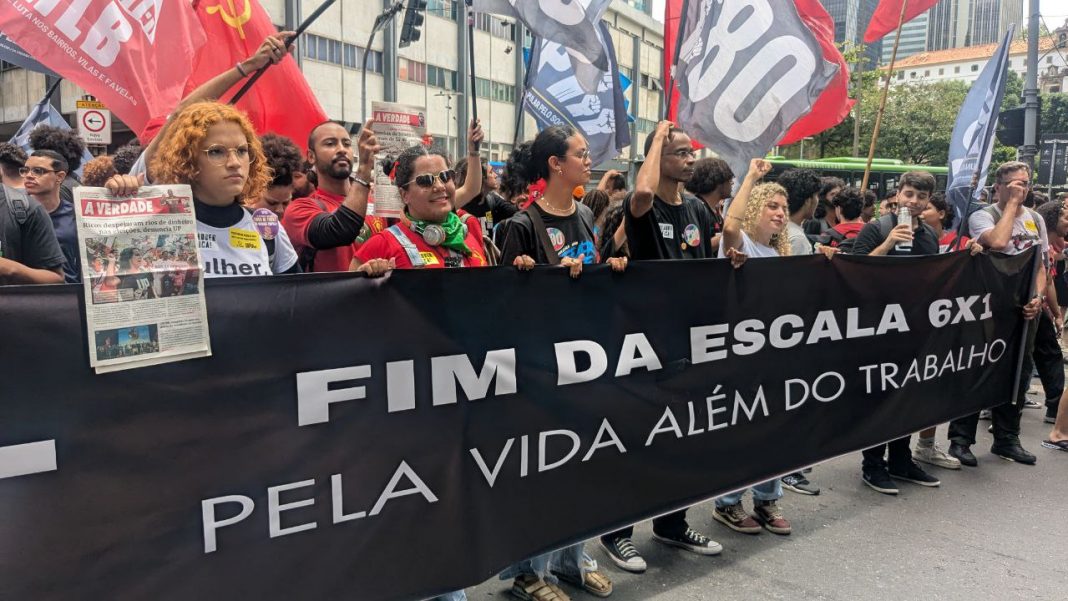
(884,172)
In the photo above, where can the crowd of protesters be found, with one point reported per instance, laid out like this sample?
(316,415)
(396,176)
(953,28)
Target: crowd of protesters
(466,215)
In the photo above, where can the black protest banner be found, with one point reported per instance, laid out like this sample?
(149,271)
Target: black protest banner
(397,438)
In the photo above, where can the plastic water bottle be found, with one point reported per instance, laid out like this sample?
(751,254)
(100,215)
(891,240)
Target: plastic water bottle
(904,216)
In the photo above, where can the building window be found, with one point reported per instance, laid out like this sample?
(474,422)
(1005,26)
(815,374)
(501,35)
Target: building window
(927,73)
(410,70)
(975,68)
(495,26)
(1049,60)
(901,75)
(941,71)
(956,69)
(440,77)
(445,9)
(912,75)
(483,88)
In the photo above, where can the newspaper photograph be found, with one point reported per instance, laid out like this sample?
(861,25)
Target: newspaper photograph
(144,297)
(397,127)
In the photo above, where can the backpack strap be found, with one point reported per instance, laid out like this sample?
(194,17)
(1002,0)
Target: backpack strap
(18,203)
(409,247)
(541,234)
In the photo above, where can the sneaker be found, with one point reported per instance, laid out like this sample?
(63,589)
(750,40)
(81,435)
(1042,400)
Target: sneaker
(1051,415)
(624,554)
(963,453)
(692,541)
(934,455)
(770,516)
(1032,404)
(985,414)
(798,483)
(1013,452)
(880,481)
(915,474)
(735,518)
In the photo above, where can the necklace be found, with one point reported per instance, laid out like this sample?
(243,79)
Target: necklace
(549,208)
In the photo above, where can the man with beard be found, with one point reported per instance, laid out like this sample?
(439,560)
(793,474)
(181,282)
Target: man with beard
(663,222)
(324,225)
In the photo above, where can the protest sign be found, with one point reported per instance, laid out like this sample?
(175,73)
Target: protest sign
(396,127)
(306,455)
(144,297)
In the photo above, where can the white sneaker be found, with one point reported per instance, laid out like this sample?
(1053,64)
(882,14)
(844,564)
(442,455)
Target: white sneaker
(934,455)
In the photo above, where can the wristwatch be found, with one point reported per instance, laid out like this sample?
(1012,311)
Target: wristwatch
(359,180)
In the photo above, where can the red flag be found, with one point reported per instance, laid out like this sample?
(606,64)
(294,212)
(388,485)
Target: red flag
(834,103)
(888,13)
(281,101)
(672,21)
(131,55)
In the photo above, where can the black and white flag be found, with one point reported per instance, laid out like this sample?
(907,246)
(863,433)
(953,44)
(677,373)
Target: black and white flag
(571,23)
(562,87)
(746,71)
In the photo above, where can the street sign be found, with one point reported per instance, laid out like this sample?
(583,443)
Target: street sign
(94,122)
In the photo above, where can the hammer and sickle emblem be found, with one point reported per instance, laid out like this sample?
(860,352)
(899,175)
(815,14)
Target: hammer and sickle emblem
(232,18)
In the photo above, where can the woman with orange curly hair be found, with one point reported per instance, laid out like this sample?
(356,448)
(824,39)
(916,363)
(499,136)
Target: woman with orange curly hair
(213,148)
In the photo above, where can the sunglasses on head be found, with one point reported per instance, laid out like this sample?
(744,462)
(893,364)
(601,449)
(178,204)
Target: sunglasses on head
(426,180)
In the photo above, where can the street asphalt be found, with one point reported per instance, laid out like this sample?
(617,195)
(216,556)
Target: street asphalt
(997,532)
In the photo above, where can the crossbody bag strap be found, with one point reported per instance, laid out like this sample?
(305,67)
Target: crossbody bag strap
(409,247)
(542,235)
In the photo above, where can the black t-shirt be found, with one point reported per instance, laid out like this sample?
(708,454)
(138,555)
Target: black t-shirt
(33,243)
(136,286)
(669,231)
(491,209)
(570,236)
(924,241)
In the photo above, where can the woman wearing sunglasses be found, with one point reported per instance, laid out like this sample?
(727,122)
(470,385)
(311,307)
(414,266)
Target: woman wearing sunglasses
(432,235)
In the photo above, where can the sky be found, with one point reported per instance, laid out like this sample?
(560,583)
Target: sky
(1053,11)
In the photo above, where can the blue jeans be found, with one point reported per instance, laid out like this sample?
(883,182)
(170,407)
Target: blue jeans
(766,491)
(572,561)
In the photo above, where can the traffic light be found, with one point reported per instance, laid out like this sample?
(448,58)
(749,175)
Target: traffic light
(1011,127)
(413,20)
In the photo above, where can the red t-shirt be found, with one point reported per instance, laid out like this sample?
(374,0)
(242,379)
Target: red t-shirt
(849,230)
(302,211)
(384,245)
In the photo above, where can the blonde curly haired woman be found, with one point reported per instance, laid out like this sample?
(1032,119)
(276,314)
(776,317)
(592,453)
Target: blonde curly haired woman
(755,224)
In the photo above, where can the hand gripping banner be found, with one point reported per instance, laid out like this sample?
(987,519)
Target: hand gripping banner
(348,429)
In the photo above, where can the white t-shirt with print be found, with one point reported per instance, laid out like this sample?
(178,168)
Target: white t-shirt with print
(751,248)
(1027,230)
(239,251)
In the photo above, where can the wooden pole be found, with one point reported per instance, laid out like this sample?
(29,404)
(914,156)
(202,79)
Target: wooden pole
(882,102)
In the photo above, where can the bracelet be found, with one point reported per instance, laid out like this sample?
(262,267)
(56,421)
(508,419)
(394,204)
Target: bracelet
(240,70)
(474,155)
(362,182)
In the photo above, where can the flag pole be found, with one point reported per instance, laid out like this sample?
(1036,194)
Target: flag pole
(259,72)
(882,102)
(471,69)
(669,93)
(51,90)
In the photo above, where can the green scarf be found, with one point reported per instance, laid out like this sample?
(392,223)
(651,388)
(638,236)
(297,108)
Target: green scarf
(455,232)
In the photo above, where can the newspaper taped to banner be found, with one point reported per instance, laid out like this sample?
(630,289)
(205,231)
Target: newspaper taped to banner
(144,294)
(397,127)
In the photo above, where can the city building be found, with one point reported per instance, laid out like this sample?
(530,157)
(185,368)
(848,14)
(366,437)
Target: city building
(965,64)
(963,23)
(913,40)
(428,73)
(851,18)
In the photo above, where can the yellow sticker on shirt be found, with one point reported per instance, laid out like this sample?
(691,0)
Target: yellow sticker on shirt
(1031,226)
(429,258)
(244,239)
